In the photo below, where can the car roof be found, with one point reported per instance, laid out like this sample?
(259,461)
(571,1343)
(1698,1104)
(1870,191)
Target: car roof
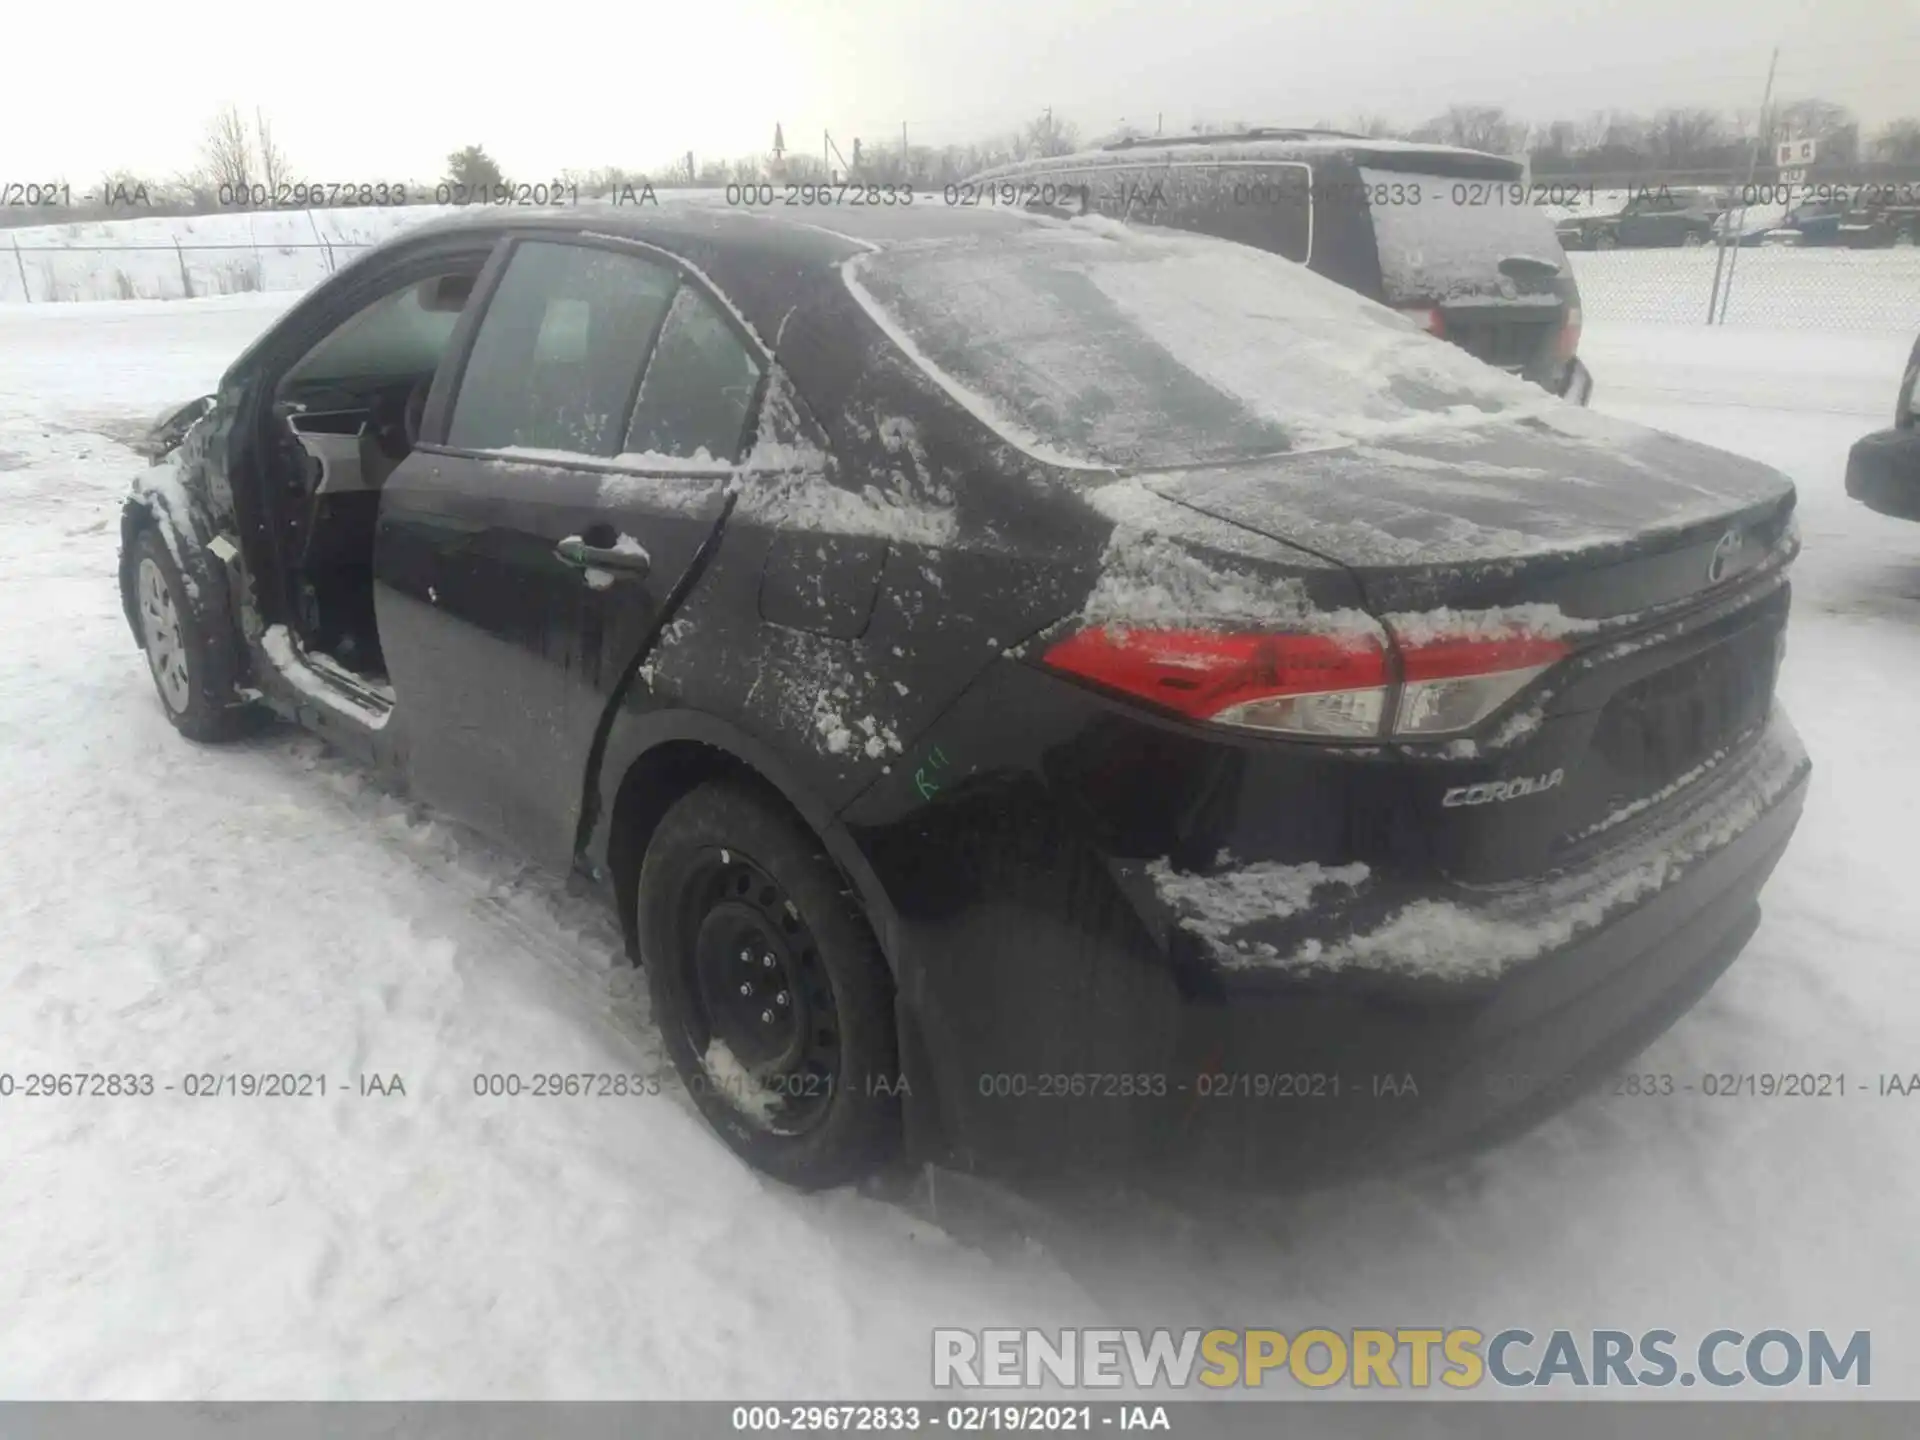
(765,259)
(1246,145)
(705,217)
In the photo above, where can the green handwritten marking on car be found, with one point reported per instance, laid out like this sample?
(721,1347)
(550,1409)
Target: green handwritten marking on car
(936,760)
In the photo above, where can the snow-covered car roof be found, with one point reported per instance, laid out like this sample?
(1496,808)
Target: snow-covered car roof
(1296,145)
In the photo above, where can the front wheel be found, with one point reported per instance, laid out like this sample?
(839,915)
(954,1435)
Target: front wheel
(1693,240)
(769,989)
(189,672)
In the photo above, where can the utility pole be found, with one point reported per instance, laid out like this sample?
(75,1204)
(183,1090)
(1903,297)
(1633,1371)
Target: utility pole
(1733,226)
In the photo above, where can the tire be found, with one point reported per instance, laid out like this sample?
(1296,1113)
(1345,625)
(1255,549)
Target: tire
(1692,240)
(749,935)
(192,676)
(1605,240)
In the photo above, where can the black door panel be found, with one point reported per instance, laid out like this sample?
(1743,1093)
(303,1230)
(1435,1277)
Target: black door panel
(501,653)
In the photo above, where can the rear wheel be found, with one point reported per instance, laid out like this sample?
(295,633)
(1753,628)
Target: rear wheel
(770,992)
(189,673)
(1693,239)
(1605,240)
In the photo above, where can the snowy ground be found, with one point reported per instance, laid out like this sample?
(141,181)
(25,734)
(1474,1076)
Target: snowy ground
(171,909)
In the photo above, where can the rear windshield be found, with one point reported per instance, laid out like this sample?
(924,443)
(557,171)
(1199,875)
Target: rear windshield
(1443,239)
(1091,343)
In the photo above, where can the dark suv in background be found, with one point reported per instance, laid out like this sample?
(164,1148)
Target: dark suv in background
(1443,234)
(1660,217)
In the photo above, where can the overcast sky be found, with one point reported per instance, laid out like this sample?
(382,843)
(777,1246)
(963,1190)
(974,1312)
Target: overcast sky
(386,92)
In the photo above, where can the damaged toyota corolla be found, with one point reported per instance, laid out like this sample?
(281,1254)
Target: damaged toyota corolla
(1037,693)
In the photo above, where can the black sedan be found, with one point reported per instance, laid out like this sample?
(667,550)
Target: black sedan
(1883,469)
(1036,691)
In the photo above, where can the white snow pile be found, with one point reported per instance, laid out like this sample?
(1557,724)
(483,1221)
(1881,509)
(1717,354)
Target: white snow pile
(910,503)
(1214,906)
(1150,574)
(1499,622)
(740,1086)
(1450,940)
(293,667)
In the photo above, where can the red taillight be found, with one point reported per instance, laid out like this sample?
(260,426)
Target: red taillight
(1429,319)
(1568,342)
(1454,682)
(1328,685)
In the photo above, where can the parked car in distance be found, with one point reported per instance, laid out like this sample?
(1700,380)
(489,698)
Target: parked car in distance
(1883,469)
(1015,680)
(1815,223)
(1880,223)
(1660,216)
(1453,237)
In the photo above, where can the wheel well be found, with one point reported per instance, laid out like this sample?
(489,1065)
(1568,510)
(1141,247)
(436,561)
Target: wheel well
(648,790)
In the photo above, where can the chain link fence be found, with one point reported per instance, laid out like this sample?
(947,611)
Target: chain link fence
(1772,287)
(1761,286)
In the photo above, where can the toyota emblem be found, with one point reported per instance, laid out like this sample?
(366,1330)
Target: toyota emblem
(1726,550)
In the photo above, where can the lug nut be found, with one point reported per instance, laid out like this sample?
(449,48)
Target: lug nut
(746,989)
(766,1017)
(781,999)
(766,962)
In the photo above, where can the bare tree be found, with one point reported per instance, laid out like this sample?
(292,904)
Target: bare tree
(226,155)
(1834,126)
(1047,135)
(1683,138)
(1376,127)
(273,160)
(1898,142)
(1479,127)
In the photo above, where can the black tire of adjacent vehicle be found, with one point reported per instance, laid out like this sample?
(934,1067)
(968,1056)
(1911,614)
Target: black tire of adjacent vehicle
(1605,240)
(210,715)
(860,1129)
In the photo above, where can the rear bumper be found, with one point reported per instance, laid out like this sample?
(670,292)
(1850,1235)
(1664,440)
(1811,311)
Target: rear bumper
(1883,473)
(1070,1043)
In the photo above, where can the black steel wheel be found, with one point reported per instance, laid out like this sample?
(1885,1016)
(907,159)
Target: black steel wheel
(770,992)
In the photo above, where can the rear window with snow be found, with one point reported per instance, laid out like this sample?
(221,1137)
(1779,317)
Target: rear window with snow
(1443,239)
(1093,344)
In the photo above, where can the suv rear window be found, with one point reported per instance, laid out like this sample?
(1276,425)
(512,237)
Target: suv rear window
(1442,239)
(1089,343)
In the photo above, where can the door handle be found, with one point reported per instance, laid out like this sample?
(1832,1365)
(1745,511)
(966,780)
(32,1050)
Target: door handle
(577,552)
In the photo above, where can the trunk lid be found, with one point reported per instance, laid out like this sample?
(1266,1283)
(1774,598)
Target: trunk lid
(1602,519)
(1661,561)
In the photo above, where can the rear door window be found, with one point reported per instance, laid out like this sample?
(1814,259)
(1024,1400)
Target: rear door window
(557,358)
(698,393)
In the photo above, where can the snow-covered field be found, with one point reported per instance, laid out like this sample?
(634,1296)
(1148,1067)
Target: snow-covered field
(173,910)
(166,258)
(163,257)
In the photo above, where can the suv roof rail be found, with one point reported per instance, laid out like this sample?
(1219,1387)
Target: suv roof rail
(1257,132)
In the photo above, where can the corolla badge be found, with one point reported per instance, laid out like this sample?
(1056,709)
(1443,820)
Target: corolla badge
(1726,554)
(1490,792)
